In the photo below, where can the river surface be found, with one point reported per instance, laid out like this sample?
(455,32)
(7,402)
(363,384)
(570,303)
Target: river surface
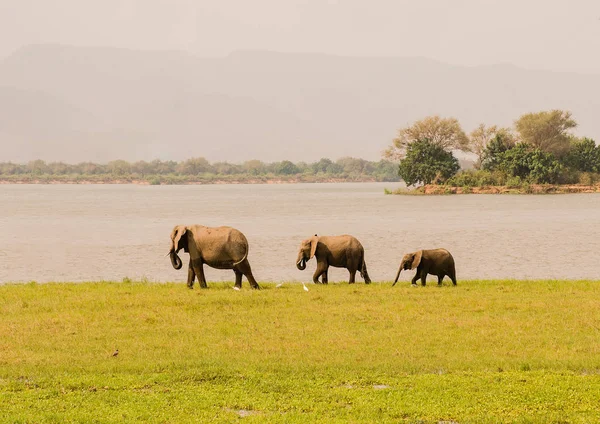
(109,232)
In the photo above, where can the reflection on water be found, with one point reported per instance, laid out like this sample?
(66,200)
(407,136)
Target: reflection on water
(108,232)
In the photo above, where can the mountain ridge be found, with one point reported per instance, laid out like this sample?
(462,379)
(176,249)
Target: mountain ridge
(255,104)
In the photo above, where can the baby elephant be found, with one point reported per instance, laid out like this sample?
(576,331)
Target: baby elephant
(436,262)
(338,251)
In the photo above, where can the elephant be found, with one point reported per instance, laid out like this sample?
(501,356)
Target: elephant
(219,247)
(342,251)
(435,262)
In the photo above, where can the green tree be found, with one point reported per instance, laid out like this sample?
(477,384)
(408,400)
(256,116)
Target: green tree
(9,168)
(89,168)
(321,166)
(547,131)
(119,167)
(164,168)
(254,167)
(141,167)
(583,155)
(442,132)
(59,168)
(355,166)
(194,166)
(37,167)
(426,162)
(528,163)
(225,168)
(386,170)
(483,135)
(492,153)
(286,168)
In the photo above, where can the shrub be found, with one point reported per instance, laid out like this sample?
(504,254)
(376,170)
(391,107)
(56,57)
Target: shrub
(526,162)
(514,182)
(472,178)
(583,155)
(588,178)
(426,162)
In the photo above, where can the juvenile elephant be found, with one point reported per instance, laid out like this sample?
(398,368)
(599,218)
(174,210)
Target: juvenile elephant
(338,251)
(219,247)
(436,262)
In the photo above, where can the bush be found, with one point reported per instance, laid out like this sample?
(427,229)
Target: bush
(472,178)
(514,182)
(583,155)
(525,162)
(155,180)
(588,178)
(490,158)
(568,176)
(426,162)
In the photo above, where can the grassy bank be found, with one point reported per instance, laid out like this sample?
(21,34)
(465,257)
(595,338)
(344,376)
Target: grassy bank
(485,351)
(436,189)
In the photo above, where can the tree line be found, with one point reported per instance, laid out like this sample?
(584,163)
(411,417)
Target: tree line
(540,148)
(200,169)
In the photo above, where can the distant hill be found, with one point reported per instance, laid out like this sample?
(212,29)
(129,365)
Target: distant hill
(84,103)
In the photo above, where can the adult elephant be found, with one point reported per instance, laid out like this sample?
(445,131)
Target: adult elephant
(435,261)
(339,251)
(219,247)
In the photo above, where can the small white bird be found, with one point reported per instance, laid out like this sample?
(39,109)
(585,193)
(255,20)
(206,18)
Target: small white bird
(279,285)
(305,288)
(236,288)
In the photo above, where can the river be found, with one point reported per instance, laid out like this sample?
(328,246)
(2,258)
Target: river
(109,232)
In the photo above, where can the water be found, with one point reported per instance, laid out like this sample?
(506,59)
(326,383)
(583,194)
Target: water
(108,232)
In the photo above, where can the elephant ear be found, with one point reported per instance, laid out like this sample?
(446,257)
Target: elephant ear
(313,245)
(176,235)
(416,259)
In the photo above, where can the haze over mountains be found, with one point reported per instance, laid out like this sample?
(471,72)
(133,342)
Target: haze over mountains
(98,104)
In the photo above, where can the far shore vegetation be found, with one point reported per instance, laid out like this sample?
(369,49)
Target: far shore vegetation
(538,155)
(199,171)
(502,351)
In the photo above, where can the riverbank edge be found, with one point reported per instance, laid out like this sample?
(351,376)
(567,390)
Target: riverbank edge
(224,285)
(435,189)
(127,181)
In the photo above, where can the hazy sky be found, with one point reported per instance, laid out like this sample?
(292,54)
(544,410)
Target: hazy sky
(547,34)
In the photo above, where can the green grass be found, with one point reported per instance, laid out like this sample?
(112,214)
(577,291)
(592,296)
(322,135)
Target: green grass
(485,351)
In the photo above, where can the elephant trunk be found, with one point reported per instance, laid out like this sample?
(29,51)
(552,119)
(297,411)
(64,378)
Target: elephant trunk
(175,260)
(397,275)
(301,263)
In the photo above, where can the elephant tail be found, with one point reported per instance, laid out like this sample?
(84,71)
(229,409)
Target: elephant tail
(243,259)
(363,272)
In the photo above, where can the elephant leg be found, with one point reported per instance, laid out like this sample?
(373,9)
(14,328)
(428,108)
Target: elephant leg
(191,276)
(415,278)
(423,277)
(440,278)
(325,278)
(238,278)
(352,279)
(199,270)
(245,269)
(321,268)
